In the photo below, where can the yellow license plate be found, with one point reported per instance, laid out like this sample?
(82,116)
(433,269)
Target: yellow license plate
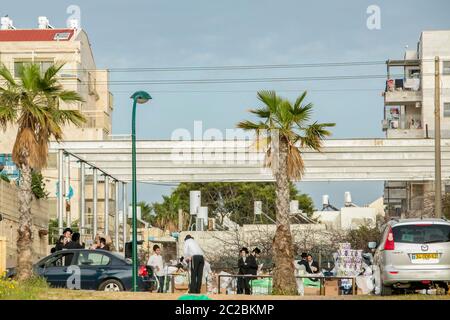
(424,256)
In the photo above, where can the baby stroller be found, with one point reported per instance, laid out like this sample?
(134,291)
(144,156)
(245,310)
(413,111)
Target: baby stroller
(152,279)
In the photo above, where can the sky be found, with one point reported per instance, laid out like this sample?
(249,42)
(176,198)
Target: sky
(134,34)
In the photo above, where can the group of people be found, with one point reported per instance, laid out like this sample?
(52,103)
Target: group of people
(308,264)
(247,265)
(193,258)
(72,240)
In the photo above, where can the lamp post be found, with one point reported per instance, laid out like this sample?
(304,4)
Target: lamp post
(138,97)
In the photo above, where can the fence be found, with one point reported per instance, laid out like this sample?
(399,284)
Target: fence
(321,279)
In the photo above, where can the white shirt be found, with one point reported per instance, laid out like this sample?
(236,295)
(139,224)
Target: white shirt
(191,248)
(156,261)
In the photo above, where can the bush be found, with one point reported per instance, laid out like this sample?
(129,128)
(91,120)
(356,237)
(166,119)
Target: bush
(26,290)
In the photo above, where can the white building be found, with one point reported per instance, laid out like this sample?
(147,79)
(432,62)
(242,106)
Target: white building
(350,216)
(409,101)
(46,45)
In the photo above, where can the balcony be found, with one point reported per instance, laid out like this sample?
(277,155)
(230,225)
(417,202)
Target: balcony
(400,91)
(404,121)
(402,97)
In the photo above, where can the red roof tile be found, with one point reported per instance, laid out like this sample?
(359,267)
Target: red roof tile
(33,34)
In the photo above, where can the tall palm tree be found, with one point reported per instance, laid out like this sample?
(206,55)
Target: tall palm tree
(286,129)
(33,103)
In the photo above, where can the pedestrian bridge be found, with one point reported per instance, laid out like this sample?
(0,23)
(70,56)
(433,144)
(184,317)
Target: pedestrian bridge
(205,161)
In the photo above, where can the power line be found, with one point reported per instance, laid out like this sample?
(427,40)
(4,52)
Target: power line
(237,80)
(249,90)
(248,67)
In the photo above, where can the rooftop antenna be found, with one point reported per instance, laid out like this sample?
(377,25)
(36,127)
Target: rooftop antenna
(348,199)
(44,23)
(6,23)
(258,211)
(326,206)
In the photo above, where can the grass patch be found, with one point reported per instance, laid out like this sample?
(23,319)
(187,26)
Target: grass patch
(24,290)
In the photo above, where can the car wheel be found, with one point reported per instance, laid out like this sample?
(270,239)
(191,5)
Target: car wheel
(111,285)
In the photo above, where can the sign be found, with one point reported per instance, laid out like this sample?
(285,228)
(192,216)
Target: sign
(8,167)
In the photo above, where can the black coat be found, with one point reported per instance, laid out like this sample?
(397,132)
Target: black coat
(243,267)
(59,246)
(73,245)
(252,265)
(306,265)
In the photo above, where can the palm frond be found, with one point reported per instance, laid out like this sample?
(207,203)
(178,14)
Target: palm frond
(261,112)
(6,74)
(8,114)
(269,98)
(52,71)
(69,96)
(248,125)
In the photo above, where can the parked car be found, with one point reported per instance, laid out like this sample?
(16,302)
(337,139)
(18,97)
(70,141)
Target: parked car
(412,254)
(97,270)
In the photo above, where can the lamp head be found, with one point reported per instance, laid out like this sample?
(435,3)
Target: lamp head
(141,97)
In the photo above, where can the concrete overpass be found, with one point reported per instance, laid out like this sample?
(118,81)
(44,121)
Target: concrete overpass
(238,161)
(203,161)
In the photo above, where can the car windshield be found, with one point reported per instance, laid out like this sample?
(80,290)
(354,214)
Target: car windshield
(422,233)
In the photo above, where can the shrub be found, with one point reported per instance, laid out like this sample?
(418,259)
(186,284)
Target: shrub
(26,290)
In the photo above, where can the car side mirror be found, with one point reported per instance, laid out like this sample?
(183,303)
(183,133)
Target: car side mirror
(87,262)
(372,245)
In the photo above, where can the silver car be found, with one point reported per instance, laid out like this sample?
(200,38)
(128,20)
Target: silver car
(413,253)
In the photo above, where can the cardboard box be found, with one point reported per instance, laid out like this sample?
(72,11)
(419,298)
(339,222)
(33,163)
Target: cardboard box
(331,288)
(180,290)
(312,291)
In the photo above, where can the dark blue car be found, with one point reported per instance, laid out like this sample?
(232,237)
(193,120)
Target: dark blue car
(90,270)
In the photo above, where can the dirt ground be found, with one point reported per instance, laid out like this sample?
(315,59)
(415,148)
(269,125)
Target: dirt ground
(58,294)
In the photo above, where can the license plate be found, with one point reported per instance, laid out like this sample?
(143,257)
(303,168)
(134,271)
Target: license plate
(424,256)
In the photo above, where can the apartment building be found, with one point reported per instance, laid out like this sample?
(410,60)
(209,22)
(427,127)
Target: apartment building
(46,45)
(409,103)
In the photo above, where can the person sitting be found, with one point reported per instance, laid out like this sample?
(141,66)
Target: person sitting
(304,262)
(313,265)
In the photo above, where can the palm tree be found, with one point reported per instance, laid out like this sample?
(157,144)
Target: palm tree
(33,103)
(286,129)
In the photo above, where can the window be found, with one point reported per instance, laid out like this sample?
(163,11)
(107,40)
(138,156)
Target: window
(446,109)
(422,233)
(62,36)
(93,259)
(446,67)
(60,260)
(18,65)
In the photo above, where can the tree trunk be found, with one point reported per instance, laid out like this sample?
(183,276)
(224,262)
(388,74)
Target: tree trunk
(283,250)
(24,240)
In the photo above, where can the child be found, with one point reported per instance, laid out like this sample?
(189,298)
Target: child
(156,262)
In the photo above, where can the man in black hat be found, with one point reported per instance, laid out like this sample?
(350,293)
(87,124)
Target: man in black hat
(194,254)
(67,233)
(243,282)
(304,262)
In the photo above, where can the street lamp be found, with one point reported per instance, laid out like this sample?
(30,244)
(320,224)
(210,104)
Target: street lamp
(138,97)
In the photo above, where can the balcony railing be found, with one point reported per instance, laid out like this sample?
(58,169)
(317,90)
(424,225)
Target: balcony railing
(401,91)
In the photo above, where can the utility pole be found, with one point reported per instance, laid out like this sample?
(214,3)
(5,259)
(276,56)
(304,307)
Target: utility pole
(437,140)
